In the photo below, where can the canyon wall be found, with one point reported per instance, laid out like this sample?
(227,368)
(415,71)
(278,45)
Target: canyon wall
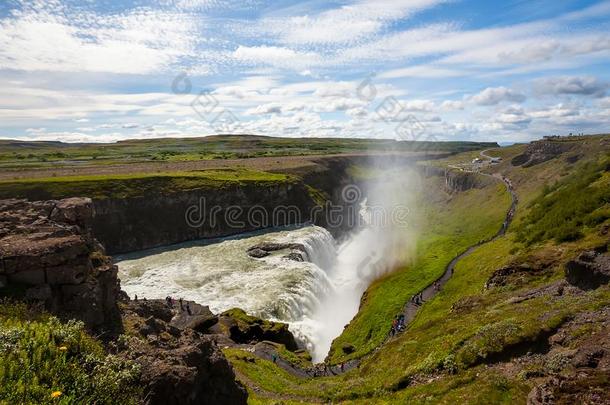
(455,180)
(138,223)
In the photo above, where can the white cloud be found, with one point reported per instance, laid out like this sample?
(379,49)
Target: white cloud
(271,108)
(423,71)
(572,85)
(52,38)
(275,56)
(349,23)
(496,95)
(452,105)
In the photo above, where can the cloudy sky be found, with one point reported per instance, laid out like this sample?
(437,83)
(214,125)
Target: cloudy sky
(406,69)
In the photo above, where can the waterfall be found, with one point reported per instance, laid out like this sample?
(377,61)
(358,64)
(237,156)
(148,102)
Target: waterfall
(219,273)
(316,297)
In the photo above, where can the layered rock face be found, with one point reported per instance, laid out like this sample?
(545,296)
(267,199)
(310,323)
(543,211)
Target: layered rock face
(456,181)
(48,255)
(540,151)
(138,223)
(132,224)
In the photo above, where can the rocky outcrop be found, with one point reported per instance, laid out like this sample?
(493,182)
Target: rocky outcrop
(576,368)
(245,329)
(179,364)
(540,151)
(456,180)
(297,250)
(589,270)
(49,255)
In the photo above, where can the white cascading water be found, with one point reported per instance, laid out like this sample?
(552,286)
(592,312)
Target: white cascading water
(386,241)
(317,298)
(219,273)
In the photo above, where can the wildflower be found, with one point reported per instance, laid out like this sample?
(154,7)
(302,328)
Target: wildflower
(55,394)
(63,348)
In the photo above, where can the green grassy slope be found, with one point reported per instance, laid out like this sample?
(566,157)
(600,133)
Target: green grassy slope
(451,352)
(448,228)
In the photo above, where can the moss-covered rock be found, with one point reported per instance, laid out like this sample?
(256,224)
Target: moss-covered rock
(244,328)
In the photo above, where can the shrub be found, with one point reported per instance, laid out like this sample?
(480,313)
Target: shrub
(491,338)
(561,210)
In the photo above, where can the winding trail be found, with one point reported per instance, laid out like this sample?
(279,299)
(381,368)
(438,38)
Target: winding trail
(410,309)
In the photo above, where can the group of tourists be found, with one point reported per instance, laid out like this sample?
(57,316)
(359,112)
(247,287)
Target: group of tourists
(417,299)
(398,324)
(170,303)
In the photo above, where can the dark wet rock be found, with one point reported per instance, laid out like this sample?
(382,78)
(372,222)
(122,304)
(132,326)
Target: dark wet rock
(540,151)
(296,256)
(258,253)
(265,248)
(243,328)
(589,270)
(201,318)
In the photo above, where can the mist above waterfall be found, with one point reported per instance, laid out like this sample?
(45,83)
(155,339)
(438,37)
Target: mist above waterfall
(385,241)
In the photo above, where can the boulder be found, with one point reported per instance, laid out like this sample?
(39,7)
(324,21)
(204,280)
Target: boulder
(257,253)
(243,328)
(589,270)
(201,318)
(265,248)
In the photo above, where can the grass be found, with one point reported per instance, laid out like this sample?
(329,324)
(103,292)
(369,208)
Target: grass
(44,361)
(562,210)
(447,231)
(438,359)
(134,185)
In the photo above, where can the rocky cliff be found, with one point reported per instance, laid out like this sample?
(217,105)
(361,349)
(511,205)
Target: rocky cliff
(455,180)
(137,223)
(179,364)
(49,255)
(540,151)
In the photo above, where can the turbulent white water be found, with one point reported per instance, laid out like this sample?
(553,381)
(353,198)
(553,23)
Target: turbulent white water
(219,273)
(317,298)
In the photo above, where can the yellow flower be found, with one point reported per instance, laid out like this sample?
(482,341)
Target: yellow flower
(63,348)
(55,394)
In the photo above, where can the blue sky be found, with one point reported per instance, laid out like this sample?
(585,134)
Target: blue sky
(418,69)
